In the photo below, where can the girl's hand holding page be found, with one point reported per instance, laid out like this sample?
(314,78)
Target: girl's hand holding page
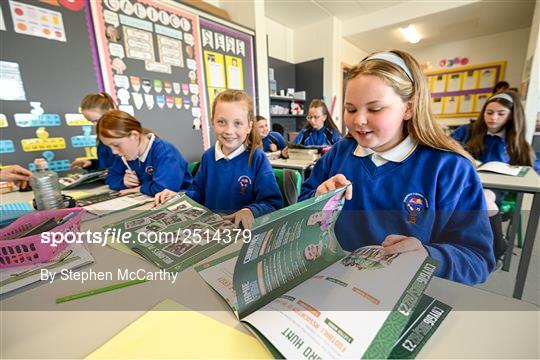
(333,183)
(395,244)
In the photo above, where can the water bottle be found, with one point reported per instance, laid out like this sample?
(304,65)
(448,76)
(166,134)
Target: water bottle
(46,187)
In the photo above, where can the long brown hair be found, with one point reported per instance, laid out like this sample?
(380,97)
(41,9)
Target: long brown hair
(253,140)
(119,124)
(518,148)
(421,127)
(100,101)
(318,103)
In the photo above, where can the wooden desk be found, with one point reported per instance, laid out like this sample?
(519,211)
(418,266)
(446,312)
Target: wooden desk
(33,326)
(530,183)
(79,327)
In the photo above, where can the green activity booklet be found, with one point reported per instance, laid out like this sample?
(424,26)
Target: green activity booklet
(304,297)
(177,234)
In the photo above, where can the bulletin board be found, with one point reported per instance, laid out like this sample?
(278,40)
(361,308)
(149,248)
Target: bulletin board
(147,54)
(228,60)
(150,61)
(45,70)
(461,92)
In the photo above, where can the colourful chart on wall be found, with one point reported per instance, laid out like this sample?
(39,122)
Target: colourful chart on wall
(150,59)
(45,70)
(461,92)
(228,59)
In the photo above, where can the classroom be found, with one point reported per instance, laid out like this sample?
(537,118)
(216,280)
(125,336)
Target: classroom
(269,179)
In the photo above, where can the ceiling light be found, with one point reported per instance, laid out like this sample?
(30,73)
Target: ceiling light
(410,33)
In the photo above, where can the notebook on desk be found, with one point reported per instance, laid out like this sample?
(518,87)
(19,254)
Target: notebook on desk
(73,180)
(503,168)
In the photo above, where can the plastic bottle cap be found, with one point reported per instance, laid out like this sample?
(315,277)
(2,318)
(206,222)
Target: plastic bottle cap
(41,164)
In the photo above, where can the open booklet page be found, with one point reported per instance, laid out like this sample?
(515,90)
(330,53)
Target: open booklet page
(322,315)
(295,286)
(341,314)
(286,248)
(73,180)
(110,202)
(177,234)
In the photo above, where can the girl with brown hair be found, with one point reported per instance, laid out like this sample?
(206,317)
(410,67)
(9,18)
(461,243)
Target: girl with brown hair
(144,162)
(320,129)
(93,106)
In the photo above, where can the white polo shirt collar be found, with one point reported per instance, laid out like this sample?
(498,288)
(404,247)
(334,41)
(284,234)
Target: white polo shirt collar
(220,155)
(397,154)
(501,133)
(144,155)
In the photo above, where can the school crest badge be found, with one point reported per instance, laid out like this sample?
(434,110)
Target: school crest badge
(415,204)
(244,181)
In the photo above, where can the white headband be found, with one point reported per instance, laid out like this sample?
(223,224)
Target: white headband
(502,96)
(394,59)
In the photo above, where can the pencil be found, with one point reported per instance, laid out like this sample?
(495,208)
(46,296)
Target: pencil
(126,163)
(98,291)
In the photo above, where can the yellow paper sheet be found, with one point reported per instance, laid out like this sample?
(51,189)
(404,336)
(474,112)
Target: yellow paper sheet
(78,194)
(176,333)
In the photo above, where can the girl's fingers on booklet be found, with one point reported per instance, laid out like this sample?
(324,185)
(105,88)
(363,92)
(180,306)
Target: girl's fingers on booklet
(396,244)
(333,183)
(243,217)
(130,190)
(163,196)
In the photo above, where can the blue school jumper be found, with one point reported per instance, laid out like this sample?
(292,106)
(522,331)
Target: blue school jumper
(433,195)
(324,136)
(160,167)
(228,185)
(273,137)
(494,146)
(105,158)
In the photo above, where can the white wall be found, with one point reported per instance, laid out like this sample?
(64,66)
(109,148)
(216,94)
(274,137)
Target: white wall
(280,41)
(350,54)
(532,106)
(321,40)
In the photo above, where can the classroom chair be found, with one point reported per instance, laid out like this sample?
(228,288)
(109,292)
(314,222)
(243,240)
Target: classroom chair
(289,182)
(193,167)
(507,208)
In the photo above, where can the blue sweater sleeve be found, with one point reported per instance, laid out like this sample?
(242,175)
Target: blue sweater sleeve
(281,141)
(336,136)
(170,172)
(105,156)
(319,175)
(196,191)
(536,163)
(115,176)
(462,240)
(267,195)
(298,137)
(461,134)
